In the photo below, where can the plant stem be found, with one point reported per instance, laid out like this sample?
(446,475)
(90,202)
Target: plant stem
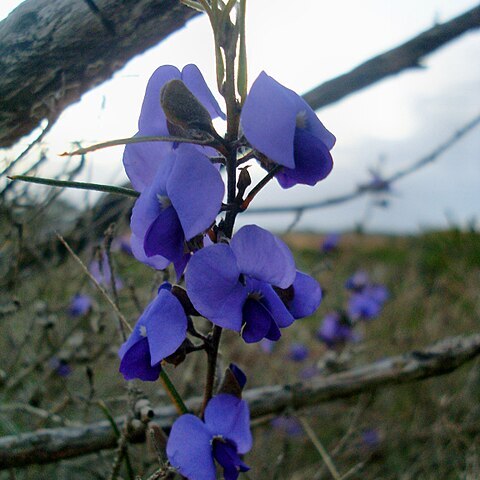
(173,393)
(212,354)
(255,190)
(81,185)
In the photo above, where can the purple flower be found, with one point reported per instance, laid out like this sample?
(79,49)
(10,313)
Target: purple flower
(290,425)
(370,438)
(231,285)
(358,281)
(330,242)
(303,297)
(181,202)
(60,366)
(281,125)
(362,306)
(334,330)
(266,345)
(100,270)
(193,445)
(159,332)
(79,305)
(297,352)
(367,303)
(141,160)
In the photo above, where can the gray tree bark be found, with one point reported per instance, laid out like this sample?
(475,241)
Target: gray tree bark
(51,445)
(51,52)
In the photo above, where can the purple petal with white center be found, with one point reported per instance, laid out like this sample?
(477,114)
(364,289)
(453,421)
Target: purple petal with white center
(189,449)
(142,160)
(196,190)
(152,120)
(228,416)
(263,256)
(313,162)
(257,321)
(165,324)
(313,123)
(213,286)
(165,236)
(136,363)
(307,296)
(268,120)
(195,82)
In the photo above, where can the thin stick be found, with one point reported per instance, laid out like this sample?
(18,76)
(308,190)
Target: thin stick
(97,285)
(126,141)
(320,448)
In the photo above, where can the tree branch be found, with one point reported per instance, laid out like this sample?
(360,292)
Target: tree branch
(405,56)
(53,52)
(51,445)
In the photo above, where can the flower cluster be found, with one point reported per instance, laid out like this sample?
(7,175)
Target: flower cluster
(246,282)
(365,302)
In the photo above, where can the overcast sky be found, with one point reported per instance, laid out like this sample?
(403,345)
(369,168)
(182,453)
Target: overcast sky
(302,44)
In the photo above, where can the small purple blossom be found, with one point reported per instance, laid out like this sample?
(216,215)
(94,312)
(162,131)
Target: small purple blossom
(335,330)
(358,281)
(367,304)
(181,202)
(159,332)
(297,352)
(266,345)
(80,305)
(100,270)
(330,242)
(194,446)
(141,160)
(289,425)
(231,285)
(370,438)
(60,366)
(282,126)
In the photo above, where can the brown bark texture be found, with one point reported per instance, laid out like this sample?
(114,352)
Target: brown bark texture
(51,445)
(51,52)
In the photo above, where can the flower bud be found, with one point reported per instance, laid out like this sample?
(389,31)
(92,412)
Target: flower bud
(233,381)
(182,108)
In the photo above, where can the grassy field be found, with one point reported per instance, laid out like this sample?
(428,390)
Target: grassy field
(426,430)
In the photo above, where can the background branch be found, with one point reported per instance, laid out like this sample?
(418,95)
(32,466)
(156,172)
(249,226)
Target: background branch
(51,445)
(403,57)
(53,52)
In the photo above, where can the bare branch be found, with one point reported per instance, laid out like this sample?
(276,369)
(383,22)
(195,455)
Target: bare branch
(363,189)
(50,445)
(53,52)
(403,57)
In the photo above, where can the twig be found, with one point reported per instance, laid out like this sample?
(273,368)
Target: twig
(51,445)
(79,185)
(320,448)
(97,285)
(362,190)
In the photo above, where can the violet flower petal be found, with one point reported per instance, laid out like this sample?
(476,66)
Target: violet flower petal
(136,363)
(158,262)
(165,236)
(196,190)
(268,120)
(213,286)
(189,449)
(195,82)
(257,321)
(263,256)
(165,325)
(228,416)
(313,161)
(307,296)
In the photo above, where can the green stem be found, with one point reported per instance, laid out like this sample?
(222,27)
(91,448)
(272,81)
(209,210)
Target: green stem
(81,185)
(173,393)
